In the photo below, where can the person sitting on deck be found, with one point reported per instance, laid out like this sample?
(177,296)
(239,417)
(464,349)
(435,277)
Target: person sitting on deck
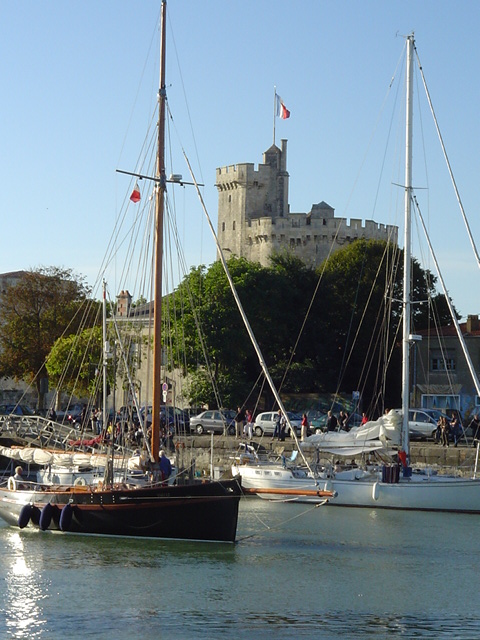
(17,479)
(165,466)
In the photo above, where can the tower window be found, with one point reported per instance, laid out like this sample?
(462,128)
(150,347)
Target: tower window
(234,225)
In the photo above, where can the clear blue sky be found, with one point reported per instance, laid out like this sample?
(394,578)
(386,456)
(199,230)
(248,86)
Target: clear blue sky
(79,81)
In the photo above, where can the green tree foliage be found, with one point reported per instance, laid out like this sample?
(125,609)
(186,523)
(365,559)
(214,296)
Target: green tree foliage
(75,362)
(275,300)
(331,329)
(35,312)
(362,290)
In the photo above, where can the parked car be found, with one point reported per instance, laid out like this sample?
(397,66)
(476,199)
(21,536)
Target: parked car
(173,416)
(70,415)
(16,410)
(422,423)
(126,414)
(178,417)
(212,420)
(265,423)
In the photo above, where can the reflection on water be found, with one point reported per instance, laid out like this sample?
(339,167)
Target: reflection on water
(22,609)
(296,571)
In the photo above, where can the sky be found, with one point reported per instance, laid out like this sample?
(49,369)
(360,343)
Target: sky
(79,84)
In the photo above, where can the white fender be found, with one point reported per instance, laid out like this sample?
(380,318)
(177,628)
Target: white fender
(375,491)
(12,485)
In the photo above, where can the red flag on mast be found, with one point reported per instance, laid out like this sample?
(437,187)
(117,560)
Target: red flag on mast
(136,197)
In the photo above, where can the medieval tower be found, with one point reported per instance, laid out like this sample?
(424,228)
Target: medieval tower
(254,219)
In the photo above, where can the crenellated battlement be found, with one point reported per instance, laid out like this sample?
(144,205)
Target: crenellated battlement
(233,175)
(254,220)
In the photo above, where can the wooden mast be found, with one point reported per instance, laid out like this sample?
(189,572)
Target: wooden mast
(159,204)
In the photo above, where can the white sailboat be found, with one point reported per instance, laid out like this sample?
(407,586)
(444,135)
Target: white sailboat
(391,486)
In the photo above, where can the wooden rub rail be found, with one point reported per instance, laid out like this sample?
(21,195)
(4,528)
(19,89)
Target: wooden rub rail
(320,493)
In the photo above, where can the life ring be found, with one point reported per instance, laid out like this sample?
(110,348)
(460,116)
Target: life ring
(12,484)
(79,482)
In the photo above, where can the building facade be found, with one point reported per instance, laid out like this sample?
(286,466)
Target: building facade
(441,378)
(254,218)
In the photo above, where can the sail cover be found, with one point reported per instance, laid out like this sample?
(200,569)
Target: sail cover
(374,435)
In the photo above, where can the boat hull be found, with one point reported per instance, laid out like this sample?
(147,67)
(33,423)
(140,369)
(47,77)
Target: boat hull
(203,511)
(420,492)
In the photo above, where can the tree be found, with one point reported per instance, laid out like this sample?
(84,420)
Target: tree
(75,362)
(275,300)
(362,287)
(34,313)
(330,330)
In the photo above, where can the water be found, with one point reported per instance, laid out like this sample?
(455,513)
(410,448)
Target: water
(296,572)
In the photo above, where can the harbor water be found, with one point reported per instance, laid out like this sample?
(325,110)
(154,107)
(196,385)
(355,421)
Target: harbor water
(297,571)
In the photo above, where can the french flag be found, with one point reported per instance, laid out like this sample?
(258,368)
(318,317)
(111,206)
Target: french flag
(282,111)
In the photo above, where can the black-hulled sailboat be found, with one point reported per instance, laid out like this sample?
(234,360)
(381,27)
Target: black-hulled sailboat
(191,511)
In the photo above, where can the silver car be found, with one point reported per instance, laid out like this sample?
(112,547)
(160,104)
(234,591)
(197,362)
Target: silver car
(212,420)
(265,423)
(422,423)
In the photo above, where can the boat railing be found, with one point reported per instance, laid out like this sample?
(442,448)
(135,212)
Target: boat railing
(36,431)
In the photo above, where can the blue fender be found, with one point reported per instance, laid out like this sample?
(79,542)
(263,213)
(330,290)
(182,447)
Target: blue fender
(66,517)
(35,516)
(25,515)
(46,516)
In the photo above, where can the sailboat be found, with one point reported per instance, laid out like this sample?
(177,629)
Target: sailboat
(393,485)
(194,510)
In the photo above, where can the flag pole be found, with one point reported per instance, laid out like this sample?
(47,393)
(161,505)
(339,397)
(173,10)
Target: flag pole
(274,111)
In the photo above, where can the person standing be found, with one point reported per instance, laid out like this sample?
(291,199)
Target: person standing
(304,430)
(84,417)
(239,422)
(276,431)
(438,432)
(445,429)
(93,419)
(99,421)
(475,428)
(283,427)
(455,430)
(343,419)
(248,430)
(332,422)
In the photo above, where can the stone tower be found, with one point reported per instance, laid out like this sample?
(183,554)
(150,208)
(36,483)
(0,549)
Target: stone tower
(246,195)
(254,219)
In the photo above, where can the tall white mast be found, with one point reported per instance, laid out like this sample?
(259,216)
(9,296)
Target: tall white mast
(407,249)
